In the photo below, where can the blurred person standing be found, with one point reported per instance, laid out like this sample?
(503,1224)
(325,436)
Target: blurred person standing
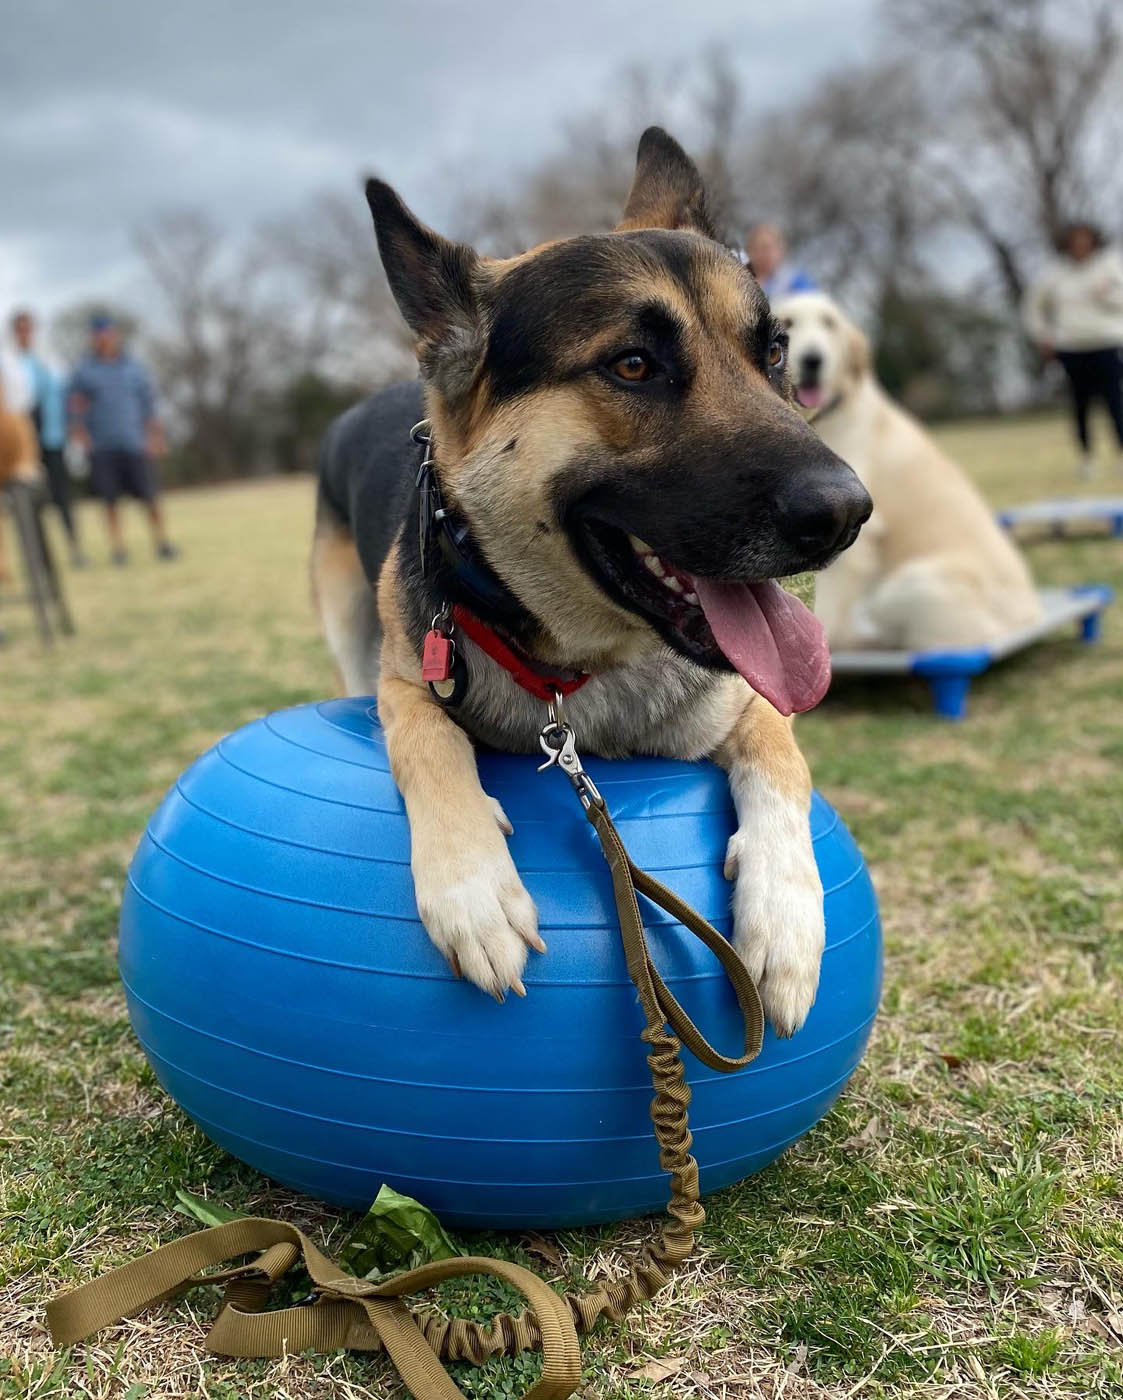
(48,414)
(766,251)
(1075,312)
(111,413)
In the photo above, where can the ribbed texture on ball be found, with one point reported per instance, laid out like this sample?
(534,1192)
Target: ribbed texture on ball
(288,998)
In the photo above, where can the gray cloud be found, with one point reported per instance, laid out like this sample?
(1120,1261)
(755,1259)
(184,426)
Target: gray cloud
(113,111)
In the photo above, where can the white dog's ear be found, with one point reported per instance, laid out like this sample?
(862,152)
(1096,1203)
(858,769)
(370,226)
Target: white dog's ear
(859,356)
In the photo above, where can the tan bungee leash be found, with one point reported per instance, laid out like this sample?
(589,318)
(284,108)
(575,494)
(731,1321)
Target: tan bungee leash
(354,1314)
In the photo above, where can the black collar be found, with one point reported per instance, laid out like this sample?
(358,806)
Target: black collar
(447,549)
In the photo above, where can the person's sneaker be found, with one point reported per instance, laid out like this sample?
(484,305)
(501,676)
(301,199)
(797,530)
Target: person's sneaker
(166,550)
(120,557)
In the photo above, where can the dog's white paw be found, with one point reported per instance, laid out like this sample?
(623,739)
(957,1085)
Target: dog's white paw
(477,912)
(778,914)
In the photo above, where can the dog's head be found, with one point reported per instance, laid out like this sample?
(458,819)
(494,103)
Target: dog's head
(827,353)
(612,416)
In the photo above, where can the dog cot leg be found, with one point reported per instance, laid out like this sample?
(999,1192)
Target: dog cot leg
(949,695)
(1090,627)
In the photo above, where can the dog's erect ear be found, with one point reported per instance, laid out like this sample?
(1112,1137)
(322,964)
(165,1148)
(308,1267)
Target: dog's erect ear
(433,282)
(667,190)
(859,356)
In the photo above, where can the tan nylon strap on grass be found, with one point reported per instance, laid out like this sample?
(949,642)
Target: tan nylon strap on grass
(354,1314)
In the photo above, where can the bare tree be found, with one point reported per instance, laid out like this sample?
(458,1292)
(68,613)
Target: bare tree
(582,186)
(324,260)
(1023,95)
(839,172)
(219,347)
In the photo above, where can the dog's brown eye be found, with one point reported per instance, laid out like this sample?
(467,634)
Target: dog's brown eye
(633,368)
(777,354)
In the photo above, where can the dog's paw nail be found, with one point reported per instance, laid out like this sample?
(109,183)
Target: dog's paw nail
(502,820)
(454,963)
(518,988)
(500,997)
(534,940)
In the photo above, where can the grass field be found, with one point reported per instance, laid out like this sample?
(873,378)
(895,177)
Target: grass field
(953,1229)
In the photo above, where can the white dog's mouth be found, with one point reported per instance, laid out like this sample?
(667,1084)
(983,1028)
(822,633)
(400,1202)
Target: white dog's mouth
(810,395)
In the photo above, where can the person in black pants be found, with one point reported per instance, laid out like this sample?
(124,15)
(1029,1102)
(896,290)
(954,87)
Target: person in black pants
(1092,375)
(48,413)
(1075,311)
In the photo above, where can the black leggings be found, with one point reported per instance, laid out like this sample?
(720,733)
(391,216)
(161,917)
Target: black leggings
(58,483)
(1095,374)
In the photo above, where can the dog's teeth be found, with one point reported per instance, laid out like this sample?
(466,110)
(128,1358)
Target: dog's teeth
(673,584)
(652,562)
(691,598)
(640,547)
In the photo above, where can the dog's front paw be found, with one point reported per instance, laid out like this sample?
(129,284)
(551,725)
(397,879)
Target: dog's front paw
(477,912)
(778,915)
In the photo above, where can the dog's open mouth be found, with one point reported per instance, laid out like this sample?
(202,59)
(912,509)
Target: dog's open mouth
(810,395)
(754,627)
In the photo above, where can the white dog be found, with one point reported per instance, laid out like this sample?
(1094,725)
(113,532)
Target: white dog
(931,569)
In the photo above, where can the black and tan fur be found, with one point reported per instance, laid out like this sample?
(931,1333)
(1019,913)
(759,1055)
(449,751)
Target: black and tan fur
(553,460)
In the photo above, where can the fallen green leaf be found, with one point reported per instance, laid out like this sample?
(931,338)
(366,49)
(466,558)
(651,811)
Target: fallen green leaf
(208,1212)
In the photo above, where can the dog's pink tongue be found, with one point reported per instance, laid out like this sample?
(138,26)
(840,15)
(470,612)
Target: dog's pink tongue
(776,643)
(809,397)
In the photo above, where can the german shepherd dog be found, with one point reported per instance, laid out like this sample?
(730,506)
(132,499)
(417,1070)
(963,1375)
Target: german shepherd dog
(617,480)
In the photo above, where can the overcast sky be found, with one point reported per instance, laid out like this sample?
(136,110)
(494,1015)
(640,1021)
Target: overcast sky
(111,111)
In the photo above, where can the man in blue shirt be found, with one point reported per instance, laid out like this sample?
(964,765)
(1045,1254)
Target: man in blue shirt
(766,250)
(48,413)
(112,414)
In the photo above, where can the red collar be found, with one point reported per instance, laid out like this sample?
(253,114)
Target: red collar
(523,671)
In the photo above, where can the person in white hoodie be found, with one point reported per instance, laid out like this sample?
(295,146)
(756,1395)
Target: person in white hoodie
(1075,311)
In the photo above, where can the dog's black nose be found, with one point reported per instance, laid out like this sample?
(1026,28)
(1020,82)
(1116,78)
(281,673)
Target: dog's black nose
(811,363)
(822,509)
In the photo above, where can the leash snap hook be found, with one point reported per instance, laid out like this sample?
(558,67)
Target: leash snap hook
(559,743)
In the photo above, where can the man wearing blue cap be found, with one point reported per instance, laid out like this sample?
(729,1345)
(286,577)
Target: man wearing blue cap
(112,414)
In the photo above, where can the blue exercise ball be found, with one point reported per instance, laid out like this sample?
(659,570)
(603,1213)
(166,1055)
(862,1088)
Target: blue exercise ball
(289,1000)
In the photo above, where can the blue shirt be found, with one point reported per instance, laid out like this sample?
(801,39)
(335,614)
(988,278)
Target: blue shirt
(787,280)
(49,401)
(119,402)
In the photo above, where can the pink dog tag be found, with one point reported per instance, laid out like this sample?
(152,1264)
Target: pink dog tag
(436,657)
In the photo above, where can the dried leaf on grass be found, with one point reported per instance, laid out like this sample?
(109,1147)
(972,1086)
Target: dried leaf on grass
(872,1132)
(660,1370)
(544,1249)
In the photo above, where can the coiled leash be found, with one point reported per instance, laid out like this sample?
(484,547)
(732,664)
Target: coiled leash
(353,1314)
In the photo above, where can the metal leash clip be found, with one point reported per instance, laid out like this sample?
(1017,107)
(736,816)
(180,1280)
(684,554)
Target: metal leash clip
(558,742)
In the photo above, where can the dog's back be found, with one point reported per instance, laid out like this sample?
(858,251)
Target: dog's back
(366,475)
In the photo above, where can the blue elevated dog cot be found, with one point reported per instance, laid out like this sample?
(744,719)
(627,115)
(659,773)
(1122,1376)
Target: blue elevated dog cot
(1066,516)
(949,673)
